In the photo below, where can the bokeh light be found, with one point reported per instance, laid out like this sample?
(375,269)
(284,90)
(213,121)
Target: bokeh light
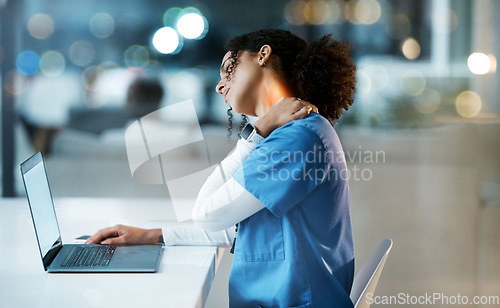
(412,83)
(102,25)
(40,26)
(192,25)
(170,16)
(294,12)
(468,104)
(336,11)
(479,63)
(15,83)
(136,55)
(52,63)
(398,26)
(167,41)
(349,12)
(428,102)
(363,11)
(316,12)
(313,12)
(493,63)
(411,48)
(82,53)
(367,11)
(28,62)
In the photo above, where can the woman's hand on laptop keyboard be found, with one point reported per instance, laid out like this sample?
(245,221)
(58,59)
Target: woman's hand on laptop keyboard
(125,235)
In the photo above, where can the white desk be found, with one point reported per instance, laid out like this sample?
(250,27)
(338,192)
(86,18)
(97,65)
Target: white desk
(184,278)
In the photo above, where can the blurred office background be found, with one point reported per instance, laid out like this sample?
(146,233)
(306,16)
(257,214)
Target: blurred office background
(422,138)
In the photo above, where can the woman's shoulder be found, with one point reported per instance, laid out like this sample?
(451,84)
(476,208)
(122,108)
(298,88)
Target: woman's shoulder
(313,126)
(304,134)
(314,121)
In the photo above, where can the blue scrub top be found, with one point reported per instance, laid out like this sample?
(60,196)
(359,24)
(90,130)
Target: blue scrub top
(297,251)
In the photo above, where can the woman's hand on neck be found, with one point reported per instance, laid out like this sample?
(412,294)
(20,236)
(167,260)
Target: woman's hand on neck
(285,110)
(272,90)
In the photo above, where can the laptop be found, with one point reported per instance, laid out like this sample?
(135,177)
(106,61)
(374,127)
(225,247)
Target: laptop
(77,258)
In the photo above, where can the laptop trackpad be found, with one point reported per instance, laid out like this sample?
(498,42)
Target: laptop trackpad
(136,257)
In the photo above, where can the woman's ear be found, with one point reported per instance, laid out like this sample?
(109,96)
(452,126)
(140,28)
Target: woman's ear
(264,55)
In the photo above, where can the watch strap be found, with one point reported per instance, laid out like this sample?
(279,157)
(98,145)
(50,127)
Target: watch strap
(249,133)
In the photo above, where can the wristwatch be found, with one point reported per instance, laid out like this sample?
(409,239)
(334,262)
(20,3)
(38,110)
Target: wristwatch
(249,133)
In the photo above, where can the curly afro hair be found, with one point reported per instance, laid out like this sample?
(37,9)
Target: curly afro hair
(322,73)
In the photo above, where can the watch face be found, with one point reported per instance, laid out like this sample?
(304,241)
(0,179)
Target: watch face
(245,133)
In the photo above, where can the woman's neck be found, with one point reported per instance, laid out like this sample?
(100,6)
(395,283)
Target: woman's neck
(273,88)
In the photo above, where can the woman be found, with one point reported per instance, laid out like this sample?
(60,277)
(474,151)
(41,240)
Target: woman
(283,183)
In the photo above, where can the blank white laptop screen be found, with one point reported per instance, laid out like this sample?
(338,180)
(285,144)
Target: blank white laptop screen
(44,217)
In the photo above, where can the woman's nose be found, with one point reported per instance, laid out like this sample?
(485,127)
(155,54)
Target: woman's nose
(219,88)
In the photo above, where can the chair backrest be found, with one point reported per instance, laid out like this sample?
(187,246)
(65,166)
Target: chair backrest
(367,278)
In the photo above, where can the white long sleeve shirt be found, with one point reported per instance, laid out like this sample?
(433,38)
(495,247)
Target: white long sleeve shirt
(221,203)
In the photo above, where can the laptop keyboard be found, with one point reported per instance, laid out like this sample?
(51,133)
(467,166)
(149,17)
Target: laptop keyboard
(95,256)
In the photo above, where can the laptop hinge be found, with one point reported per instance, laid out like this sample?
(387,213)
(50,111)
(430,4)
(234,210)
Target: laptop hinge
(52,253)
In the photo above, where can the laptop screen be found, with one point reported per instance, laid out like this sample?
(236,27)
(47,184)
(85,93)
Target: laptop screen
(40,200)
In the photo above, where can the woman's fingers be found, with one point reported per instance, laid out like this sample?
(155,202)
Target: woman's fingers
(115,241)
(301,109)
(294,104)
(302,103)
(286,109)
(121,234)
(302,113)
(313,108)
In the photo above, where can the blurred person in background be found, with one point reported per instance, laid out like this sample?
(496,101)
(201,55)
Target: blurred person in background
(143,97)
